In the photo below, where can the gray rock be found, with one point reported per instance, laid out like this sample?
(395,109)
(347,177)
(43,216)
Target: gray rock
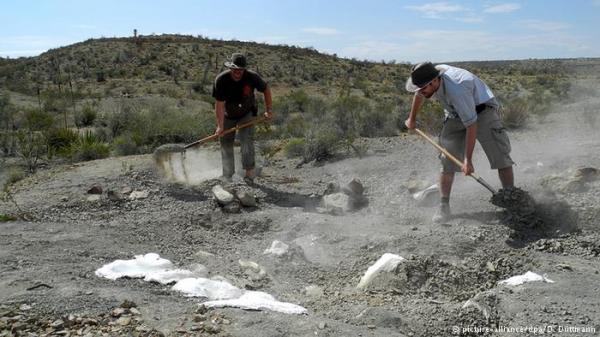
(246,199)
(222,196)
(354,188)
(115,195)
(94,197)
(337,203)
(135,195)
(95,189)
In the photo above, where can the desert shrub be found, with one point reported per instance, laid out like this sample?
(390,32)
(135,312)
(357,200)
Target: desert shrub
(515,113)
(86,116)
(31,147)
(124,145)
(89,147)
(295,126)
(321,142)
(294,148)
(14,174)
(431,117)
(60,140)
(37,120)
(378,122)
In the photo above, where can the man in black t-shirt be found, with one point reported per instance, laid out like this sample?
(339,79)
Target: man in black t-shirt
(235,104)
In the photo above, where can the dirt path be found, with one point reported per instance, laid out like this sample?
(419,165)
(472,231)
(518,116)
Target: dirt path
(57,253)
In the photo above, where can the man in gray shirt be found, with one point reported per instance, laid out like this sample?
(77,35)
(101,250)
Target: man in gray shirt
(471,113)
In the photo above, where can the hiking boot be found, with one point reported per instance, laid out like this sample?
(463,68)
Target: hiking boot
(442,214)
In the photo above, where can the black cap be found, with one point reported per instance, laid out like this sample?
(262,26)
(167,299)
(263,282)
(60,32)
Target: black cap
(237,61)
(421,75)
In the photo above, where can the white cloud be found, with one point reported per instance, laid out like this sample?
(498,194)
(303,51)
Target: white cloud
(469,45)
(544,26)
(436,9)
(502,8)
(321,30)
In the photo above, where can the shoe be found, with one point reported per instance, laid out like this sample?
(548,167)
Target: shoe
(442,214)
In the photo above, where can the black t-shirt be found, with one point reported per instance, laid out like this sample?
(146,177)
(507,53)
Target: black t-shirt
(238,96)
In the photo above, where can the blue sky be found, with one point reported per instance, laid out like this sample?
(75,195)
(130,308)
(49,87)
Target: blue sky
(405,31)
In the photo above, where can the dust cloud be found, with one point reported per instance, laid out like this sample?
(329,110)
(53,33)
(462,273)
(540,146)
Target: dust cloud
(190,167)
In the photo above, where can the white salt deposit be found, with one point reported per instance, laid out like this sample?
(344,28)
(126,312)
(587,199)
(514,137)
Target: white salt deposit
(527,277)
(140,266)
(277,248)
(211,289)
(258,300)
(386,263)
(218,291)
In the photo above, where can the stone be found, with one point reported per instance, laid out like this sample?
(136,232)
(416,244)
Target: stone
(313,291)
(95,189)
(126,190)
(253,270)
(135,195)
(115,195)
(277,248)
(222,196)
(354,188)
(232,208)
(124,321)
(94,197)
(246,199)
(337,203)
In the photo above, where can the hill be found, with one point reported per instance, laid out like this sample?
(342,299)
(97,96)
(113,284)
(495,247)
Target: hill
(132,94)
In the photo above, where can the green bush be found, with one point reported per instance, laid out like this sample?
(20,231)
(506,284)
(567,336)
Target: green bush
(14,174)
(86,116)
(294,147)
(89,147)
(124,145)
(38,120)
(321,143)
(60,140)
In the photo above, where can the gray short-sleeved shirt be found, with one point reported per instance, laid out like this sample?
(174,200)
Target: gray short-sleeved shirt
(460,91)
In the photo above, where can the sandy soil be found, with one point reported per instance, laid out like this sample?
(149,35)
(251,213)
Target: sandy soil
(47,264)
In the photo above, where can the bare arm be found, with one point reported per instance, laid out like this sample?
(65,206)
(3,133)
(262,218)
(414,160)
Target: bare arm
(417,103)
(470,138)
(268,103)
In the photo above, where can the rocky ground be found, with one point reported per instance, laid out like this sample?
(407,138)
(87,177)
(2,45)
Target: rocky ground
(448,284)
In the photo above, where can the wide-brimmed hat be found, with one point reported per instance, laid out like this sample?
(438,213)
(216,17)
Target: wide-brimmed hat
(237,61)
(422,74)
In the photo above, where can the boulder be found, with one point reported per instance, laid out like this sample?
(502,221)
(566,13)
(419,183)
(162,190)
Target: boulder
(246,199)
(95,189)
(222,196)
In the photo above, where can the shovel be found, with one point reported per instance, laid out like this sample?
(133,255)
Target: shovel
(455,160)
(236,128)
(169,148)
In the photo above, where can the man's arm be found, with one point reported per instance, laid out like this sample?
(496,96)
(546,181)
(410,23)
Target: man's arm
(220,114)
(470,138)
(268,103)
(417,103)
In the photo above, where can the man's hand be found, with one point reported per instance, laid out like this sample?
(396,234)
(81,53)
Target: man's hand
(467,167)
(268,114)
(219,130)
(410,123)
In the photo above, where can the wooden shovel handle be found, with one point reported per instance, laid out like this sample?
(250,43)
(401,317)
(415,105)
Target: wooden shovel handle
(235,128)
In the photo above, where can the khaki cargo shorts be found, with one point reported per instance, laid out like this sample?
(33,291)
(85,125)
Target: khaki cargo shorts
(491,135)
